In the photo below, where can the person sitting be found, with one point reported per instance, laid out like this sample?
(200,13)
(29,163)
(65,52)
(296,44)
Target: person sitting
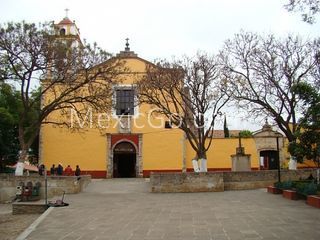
(68,171)
(78,171)
(53,170)
(41,169)
(310,177)
(59,170)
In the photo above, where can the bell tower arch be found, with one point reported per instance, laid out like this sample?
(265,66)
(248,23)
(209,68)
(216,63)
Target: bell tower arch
(67,31)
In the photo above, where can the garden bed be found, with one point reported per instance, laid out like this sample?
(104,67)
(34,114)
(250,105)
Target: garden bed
(274,190)
(314,200)
(290,194)
(303,189)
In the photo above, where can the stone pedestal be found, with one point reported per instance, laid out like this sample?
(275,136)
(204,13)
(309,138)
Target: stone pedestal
(241,163)
(292,164)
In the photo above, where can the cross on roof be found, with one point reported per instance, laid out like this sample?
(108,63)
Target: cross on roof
(127,44)
(67,10)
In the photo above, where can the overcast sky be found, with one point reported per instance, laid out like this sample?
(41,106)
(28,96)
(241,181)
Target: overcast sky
(165,28)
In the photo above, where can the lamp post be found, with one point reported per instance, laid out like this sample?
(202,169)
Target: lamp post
(278,157)
(45,186)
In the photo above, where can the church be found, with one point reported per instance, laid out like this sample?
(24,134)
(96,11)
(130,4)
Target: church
(135,143)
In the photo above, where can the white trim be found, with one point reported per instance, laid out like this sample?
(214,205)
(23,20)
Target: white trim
(136,104)
(34,225)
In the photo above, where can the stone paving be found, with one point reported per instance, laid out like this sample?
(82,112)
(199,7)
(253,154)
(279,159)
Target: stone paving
(124,209)
(13,225)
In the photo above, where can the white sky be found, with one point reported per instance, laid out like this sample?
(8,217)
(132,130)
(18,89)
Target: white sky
(165,28)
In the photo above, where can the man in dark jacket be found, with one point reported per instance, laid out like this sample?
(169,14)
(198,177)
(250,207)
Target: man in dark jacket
(59,170)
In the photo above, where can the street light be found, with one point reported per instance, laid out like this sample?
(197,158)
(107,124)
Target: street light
(278,157)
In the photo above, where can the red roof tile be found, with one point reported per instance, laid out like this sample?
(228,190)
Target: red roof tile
(220,133)
(65,21)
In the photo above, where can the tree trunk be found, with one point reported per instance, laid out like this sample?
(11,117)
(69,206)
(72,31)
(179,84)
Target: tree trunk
(23,146)
(202,156)
(23,154)
(195,165)
(292,163)
(203,166)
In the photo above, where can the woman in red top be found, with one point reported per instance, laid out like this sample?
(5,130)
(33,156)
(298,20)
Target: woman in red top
(68,171)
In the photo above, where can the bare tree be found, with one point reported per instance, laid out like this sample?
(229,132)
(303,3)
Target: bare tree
(69,77)
(261,71)
(309,8)
(188,92)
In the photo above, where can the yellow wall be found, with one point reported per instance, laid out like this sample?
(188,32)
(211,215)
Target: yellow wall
(219,154)
(86,149)
(162,149)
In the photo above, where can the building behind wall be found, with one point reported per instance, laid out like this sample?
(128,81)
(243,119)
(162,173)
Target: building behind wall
(135,142)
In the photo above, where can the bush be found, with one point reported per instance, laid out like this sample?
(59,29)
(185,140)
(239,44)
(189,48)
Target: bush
(7,170)
(284,185)
(306,188)
(277,185)
(303,187)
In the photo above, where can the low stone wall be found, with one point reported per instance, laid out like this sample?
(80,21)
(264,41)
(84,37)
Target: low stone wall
(28,208)
(261,179)
(56,185)
(221,181)
(186,182)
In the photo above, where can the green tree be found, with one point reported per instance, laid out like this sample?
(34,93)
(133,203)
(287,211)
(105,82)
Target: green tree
(9,144)
(308,134)
(245,134)
(225,128)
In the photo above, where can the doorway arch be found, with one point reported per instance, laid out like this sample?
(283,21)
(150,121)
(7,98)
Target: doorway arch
(124,160)
(269,159)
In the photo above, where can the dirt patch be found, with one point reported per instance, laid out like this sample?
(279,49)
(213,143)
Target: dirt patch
(11,226)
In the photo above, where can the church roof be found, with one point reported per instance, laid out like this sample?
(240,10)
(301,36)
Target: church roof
(127,52)
(220,133)
(65,20)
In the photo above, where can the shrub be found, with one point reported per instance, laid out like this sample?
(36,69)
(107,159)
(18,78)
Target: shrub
(284,185)
(306,188)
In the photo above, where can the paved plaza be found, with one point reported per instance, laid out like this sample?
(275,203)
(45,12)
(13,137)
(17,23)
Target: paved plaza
(124,209)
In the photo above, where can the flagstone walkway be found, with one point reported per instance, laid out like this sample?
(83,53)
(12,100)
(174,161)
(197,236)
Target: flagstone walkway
(124,209)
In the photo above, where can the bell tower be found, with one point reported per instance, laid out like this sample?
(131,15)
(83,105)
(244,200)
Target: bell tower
(67,31)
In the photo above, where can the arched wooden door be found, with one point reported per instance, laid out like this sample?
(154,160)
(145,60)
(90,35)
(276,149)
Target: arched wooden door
(124,160)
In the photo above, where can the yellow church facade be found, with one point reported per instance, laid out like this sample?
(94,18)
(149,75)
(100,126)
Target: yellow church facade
(131,141)
(132,145)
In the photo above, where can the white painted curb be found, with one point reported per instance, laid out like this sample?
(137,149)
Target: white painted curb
(33,226)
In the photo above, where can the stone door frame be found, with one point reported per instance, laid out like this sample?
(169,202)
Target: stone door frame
(139,163)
